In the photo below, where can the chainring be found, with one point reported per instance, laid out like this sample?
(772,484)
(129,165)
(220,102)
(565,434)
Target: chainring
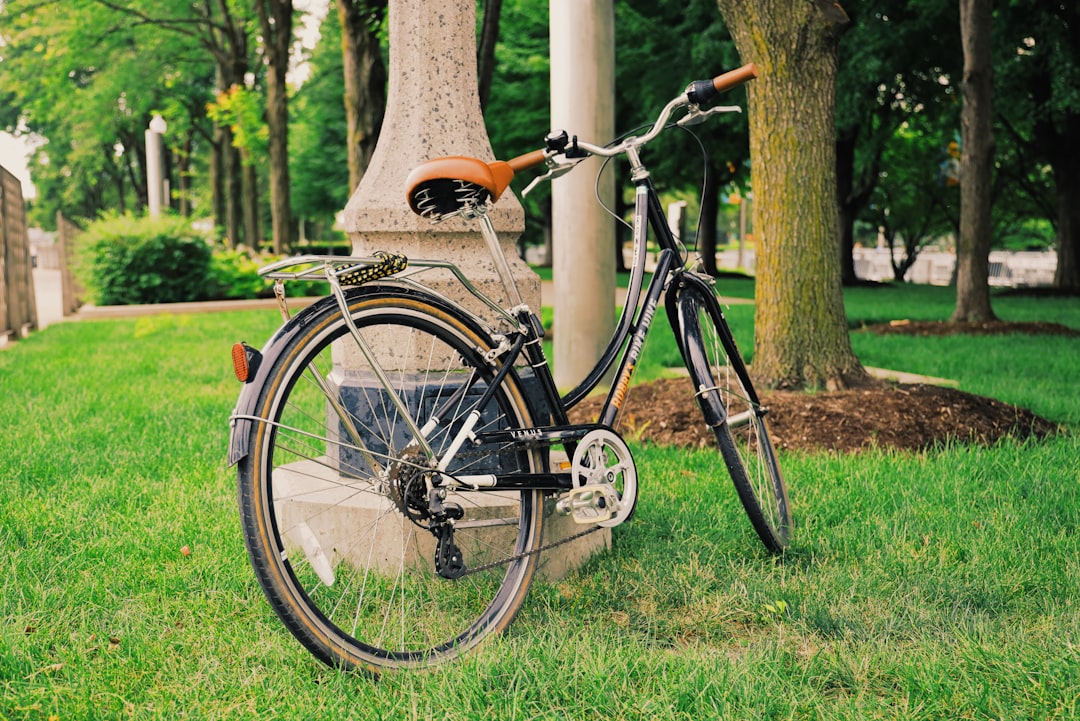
(602,458)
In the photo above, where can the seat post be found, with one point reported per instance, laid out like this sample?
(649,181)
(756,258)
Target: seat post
(497,255)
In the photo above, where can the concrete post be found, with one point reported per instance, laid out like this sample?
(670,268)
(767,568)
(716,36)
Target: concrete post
(582,103)
(154,184)
(433,109)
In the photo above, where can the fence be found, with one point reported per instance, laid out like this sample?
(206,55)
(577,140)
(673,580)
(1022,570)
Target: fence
(67,234)
(1014,269)
(18,309)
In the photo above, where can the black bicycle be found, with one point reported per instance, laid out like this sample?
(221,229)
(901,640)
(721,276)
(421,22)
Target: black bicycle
(399,456)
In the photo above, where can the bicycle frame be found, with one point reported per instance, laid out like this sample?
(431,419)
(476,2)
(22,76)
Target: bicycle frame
(634,325)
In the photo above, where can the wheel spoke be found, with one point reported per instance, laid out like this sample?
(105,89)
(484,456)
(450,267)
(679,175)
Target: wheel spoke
(346,480)
(743,437)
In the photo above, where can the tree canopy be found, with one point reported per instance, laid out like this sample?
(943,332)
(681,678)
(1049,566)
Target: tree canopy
(87,75)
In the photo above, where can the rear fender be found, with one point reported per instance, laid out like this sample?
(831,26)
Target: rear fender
(243,414)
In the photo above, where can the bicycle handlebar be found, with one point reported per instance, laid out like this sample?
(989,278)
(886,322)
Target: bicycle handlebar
(487,181)
(697,93)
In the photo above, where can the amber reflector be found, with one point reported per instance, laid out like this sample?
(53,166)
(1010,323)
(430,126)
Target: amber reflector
(240,363)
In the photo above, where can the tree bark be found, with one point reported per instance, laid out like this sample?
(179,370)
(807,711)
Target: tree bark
(710,206)
(976,164)
(276,20)
(1066,166)
(365,80)
(249,188)
(183,176)
(845,186)
(233,188)
(801,335)
(485,49)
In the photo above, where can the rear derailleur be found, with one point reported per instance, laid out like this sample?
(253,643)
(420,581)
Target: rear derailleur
(449,562)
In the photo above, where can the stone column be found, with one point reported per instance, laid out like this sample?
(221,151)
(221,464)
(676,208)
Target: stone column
(154,174)
(582,103)
(432,110)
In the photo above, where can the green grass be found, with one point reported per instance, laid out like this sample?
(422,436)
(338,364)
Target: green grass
(937,585)
(1030,371)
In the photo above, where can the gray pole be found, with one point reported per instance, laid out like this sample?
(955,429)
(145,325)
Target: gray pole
(154,182)
(583,104)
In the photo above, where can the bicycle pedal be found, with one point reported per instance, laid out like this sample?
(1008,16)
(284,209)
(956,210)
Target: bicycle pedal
(594,503)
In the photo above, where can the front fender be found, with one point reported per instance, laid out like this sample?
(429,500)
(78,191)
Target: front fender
(683,299)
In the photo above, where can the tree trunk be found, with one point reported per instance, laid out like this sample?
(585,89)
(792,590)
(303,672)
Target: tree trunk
(365,80)
(976,164)
(1066,165)
(710,206)
(801,335)
(845,186)
(217,189)
(485,49)
(249,181)
(276,20)
(183,176)
(233,187)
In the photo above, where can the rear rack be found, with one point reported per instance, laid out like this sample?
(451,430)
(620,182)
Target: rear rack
(355,270)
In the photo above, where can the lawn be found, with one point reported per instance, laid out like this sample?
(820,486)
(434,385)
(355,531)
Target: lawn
(938,585)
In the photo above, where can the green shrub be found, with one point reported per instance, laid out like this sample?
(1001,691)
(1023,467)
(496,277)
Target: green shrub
(234,274)
(127,260)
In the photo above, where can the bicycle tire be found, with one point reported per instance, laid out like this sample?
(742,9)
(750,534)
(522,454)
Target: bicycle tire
(741,431)
(329,526)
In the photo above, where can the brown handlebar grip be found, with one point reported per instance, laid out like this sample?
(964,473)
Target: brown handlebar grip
(526,161)
(734,78)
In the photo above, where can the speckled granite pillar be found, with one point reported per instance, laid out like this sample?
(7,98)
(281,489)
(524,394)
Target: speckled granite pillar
(433,109)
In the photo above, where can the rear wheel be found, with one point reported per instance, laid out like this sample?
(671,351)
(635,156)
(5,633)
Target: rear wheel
(720,377)
(335,493)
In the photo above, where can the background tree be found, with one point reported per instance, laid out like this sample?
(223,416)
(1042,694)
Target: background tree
(660,48)
(801,335)
(1037,75)
(892,59)
(78,76)
(916,196)
(364,79)
(976,164)
(518,114)
(318,138)
(223,30)
(491,12)
(276,24)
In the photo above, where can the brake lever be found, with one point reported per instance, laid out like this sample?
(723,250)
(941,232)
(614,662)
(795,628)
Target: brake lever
(554,171)
(696,115)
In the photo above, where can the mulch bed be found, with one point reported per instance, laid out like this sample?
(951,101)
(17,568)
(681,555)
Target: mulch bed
(906,416)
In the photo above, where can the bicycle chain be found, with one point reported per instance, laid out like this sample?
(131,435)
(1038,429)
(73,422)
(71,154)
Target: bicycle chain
(518,557)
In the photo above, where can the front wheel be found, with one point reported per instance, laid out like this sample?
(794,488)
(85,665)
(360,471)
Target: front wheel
(732,408)
(336,493)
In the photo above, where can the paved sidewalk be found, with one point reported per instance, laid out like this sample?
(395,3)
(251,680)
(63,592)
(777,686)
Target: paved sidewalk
(91,312)
(48,296)
(47,290)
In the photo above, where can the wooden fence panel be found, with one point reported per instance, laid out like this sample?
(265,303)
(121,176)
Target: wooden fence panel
(67,238)
(18,314)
